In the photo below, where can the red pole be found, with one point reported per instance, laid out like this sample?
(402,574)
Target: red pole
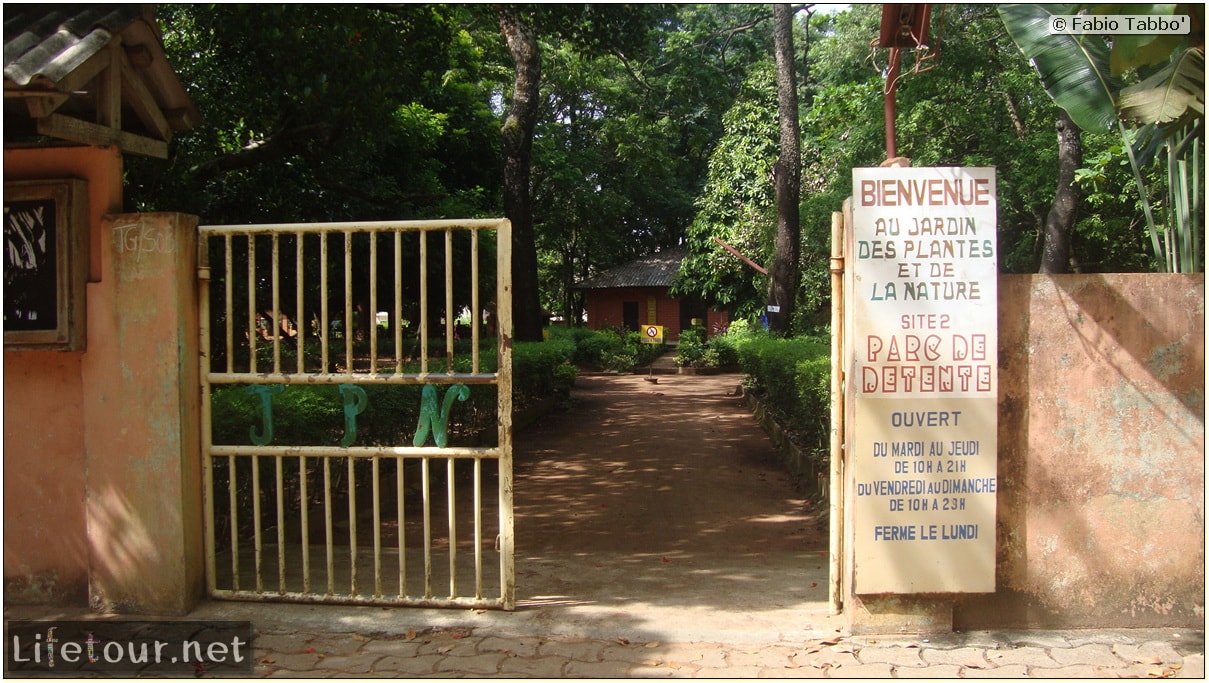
(891,109)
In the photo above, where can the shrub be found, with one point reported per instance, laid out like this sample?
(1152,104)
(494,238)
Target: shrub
(794,377)
(691,349)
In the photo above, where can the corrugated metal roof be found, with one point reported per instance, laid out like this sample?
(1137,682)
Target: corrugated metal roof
(56,59)
(48,42)
(655,270)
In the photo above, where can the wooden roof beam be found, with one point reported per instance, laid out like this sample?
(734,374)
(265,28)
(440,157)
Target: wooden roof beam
(139,97)
(67,128)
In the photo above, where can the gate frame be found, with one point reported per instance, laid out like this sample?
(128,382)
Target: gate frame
(502,379)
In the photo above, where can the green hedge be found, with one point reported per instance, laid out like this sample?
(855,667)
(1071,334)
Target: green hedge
(314,414)
(616,350)
(793,377)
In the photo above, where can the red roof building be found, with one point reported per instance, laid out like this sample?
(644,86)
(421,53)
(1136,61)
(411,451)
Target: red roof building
(638,293)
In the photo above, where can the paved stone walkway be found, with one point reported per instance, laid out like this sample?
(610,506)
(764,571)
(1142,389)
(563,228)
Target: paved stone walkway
(456,652)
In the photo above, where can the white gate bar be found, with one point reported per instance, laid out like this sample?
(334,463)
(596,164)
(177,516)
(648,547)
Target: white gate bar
(424,303)
(373,303)
(228,282)
(450,314)
(402,528)
(424,452)
(478,527)
(398,321)
(280,525)
(377,526)
(356,226)
(299,312)
(426,483)
(452,506)
(276,303)
(327,514)
(341,378)
(325,329)
(258,325)
(304,503)
(251,303)
(352,526)
(347,325)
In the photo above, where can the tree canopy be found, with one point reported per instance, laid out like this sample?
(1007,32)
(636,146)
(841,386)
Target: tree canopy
(655,126)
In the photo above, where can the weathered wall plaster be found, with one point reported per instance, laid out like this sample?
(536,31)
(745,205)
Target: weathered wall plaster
(45,548)
(1102,447)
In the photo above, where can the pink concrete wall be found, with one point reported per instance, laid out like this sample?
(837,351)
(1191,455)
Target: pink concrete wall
(45,542)
(1102,454)
(141,417)
(102,487)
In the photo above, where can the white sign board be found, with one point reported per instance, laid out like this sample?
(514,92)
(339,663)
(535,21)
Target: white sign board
(924,365)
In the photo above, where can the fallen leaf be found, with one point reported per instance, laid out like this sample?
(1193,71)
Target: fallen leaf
(843,649)
(653,643)
(358,636)
(666,560)
(813,584)
(458,636)
(1160,672)
(1177,667)
(1147,659)
(310,650)
(268,660)
(623,640)
(411,634)
(652,662)
(444,650)
(674,665)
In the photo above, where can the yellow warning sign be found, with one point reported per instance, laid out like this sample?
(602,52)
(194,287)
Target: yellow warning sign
(652,334)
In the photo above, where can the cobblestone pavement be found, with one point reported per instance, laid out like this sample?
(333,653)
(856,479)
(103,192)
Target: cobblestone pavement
(457,652)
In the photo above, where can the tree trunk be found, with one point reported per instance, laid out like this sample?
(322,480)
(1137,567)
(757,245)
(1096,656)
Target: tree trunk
(1060,223)
(783,284)
(517,148)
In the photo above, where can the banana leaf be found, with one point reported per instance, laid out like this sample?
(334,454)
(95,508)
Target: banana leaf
(1175,92)
(1074,69)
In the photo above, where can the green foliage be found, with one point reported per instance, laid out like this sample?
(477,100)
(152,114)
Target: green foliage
(1080,74)
(314,414)
(793,377)
(609,349)
(326,112)
(534,364)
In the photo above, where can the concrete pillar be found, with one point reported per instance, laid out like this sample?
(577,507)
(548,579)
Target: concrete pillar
(142,445)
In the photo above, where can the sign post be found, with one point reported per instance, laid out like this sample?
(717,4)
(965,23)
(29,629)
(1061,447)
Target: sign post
(923,364)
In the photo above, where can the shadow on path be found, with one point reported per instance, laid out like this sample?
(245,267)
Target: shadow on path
(665,504)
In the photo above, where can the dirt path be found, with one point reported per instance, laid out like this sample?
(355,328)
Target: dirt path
(640,467)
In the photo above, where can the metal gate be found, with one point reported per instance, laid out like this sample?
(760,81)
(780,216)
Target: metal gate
(314,340)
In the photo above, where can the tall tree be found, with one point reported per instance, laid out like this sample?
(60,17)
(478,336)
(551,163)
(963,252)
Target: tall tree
(1060,222)
(519,123)
(787,172)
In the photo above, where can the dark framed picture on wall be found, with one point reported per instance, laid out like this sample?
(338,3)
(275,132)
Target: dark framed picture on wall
(45,264)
